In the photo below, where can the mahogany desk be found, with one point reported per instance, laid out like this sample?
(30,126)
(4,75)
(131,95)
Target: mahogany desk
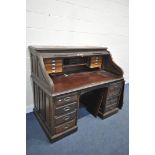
(64,77)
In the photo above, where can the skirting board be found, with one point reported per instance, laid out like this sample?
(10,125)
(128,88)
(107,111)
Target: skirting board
(29,108)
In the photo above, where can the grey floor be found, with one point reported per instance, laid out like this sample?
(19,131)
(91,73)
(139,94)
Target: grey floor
(94,136)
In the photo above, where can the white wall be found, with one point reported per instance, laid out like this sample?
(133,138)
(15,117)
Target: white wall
(78,22)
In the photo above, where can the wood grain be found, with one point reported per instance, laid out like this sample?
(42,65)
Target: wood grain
(63,83)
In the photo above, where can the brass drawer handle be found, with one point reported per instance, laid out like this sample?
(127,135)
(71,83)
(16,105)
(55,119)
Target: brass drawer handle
(66,118)
(67,98)
(66,108)
(66,127)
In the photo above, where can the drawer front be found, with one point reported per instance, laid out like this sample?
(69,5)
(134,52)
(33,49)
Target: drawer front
(96,58)
(65,126)
(95,65)
(57,61)
(95,61)
(113,100)
(111,107)
(114,89)
(52,60)
(53,65)
(53,69)
(60,101)
(66,109)
(56,69)
(65,118)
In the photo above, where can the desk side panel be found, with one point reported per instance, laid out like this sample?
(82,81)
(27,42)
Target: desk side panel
(38,71)
(111,66)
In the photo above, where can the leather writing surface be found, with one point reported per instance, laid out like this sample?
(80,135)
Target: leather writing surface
(64,83)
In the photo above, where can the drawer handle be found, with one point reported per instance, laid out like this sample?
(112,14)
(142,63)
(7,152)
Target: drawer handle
(66,108)
(115,86)
(53,60)
(67,98)
(96,63)
(53,64)
(66,127)
(53,67)
(66,118)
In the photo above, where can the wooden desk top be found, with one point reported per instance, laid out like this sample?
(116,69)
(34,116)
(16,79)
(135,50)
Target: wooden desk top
(78,80)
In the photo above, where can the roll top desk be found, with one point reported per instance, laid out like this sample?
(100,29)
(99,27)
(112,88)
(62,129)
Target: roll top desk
(65,77)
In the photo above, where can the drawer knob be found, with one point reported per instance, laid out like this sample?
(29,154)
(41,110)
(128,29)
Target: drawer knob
(60,100)
(67,98)
(53,64)
(66,108)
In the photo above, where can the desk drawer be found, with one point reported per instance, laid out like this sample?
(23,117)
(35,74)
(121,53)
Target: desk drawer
(62,100)
(113,100)
(64,127)
(65,118)
(111,107)
(65,109)
(114,89)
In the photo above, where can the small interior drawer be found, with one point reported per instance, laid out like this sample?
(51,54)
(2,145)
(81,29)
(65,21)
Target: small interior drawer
(57,61)
(53,64)
(96,58)
(52,60)
(53,69)
(95,65)
(95,61)
(64,127)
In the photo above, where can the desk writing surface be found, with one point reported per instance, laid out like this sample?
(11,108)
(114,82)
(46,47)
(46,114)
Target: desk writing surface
(77,80)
